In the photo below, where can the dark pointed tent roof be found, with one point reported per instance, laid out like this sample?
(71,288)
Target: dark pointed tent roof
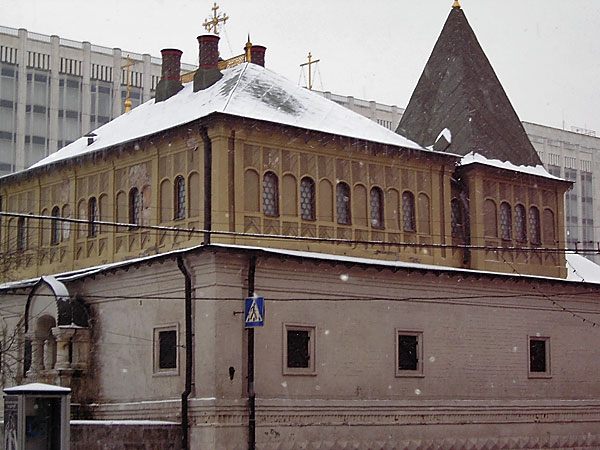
(459,90)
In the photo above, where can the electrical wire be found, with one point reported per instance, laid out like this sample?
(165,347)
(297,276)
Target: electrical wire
(130,226)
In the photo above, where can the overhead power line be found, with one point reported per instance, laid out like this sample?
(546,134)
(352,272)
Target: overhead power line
(132,226)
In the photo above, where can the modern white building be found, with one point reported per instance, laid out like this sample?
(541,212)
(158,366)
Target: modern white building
(575,156)
(54,90)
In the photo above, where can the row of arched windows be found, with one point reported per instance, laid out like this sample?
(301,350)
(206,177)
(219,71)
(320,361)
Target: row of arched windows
(20,241)
(179,198)
(524,226)
(343,201)
(58,230)
(92,210)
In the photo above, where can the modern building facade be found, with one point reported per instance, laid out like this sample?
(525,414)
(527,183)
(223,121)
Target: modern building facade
(54,90)
(575,156)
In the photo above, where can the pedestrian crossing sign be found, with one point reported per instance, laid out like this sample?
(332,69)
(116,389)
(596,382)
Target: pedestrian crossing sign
(254,312)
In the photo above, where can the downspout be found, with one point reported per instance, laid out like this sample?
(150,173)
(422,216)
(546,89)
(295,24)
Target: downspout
(207,184)
(185,445)
(251,394)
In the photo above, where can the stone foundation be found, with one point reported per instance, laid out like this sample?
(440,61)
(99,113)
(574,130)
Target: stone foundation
(125,434)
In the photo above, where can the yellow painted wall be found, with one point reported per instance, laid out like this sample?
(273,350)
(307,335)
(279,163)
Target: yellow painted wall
(242,154)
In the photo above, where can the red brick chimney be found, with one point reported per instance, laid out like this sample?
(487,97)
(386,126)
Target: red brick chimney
(257,55)
(208,73)
(171,63)
(170,82)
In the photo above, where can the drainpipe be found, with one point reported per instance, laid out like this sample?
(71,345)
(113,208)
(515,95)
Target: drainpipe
(251,394)
(207,184)
(185,444)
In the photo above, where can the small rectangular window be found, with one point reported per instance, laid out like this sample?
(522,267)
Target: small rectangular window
(409,352)
(539,357)
(166,350)
(299,350)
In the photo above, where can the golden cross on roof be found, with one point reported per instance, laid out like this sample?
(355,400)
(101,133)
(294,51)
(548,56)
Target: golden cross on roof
(127,65)
(212,23)
(309,63)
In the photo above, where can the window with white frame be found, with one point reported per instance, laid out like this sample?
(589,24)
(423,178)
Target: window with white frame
(554,159)
(409,353)
(571,162)
(166,354)
(299,349)
(539,357)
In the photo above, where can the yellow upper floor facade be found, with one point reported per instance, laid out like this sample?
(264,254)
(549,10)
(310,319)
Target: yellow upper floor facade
(271,185)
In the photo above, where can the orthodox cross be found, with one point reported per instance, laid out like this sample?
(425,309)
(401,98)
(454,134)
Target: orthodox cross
(212,23)
(127,99)
(309,63)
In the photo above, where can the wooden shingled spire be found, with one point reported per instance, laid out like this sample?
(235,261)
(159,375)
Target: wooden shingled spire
(459,90)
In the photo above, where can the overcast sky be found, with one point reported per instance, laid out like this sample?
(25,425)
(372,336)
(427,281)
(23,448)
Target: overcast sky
(546,53)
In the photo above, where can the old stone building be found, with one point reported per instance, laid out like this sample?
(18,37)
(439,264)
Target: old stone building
(415,297)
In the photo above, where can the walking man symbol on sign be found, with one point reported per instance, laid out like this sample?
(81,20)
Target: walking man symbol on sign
(254,312)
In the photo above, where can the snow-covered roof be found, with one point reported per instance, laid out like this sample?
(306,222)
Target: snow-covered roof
(37,387)
(247,90)
(476,158)
(580,269)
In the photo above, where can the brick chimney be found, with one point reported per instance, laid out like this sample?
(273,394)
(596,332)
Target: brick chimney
(208,73)
(257,55)
(169,83)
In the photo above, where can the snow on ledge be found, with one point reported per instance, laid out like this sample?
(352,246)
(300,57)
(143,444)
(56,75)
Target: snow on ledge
(582,269)
(539,170)
(447,135)
(37,387)
(122,422)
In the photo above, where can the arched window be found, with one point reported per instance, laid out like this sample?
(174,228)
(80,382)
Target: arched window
(342,203)
(360,207)
(134,206)
(21,234)
(307,198)
(376,203)
(122,209)
(66,226)
(520,224)
(270,195)
(55,226)
(490,219)
(534,226)
(505,221)
(391,209)
(423,214)
(457,220)
(325,200)
(251,191)
(548,226)
(166,197)
(408,211)
(92,217)
(194,200)
(179,198)
(289,194)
